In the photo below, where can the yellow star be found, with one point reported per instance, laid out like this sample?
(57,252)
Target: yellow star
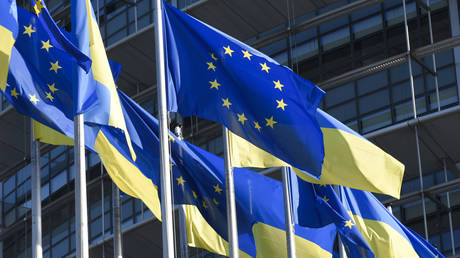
(204,205)
(55,66)
(281,104)
(170,138)
(246,54)
(49,96)
(215,201)
(228,51)
(270,121)
(38,6)
(34,99)
(214,84)
(213,57)
(194,195)
(180,181)
(46,45)
(217,189)
(28,30)
(325,199)
(52,88)
(211,66)
(14,93)
(226,103)
(349,224)
(322,184)
(241,118)
(257,126)
(278,85)
(264,67)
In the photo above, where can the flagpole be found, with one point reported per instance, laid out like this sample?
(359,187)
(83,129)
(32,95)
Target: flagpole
(37,251)
(81,210)
(166,191)
(117,241)
(230,195)
(290,237)
(342,252)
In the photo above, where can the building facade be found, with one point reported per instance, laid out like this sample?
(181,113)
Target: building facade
(353,49)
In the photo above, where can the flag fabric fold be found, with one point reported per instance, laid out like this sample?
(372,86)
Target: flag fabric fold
(216,77)
(350,159)
(8,34)
(386,236)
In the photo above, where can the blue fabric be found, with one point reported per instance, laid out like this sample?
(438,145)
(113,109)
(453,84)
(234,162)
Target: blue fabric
(60,40)
(206,67)
(30,75)
(327,209)
(366,206)
(9,16)
(258,198)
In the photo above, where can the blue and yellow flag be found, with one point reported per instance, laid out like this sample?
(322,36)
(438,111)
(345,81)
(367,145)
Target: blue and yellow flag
(384,233)
(199,181)
(304,193)
(350,159)
(216,77)
(8,34)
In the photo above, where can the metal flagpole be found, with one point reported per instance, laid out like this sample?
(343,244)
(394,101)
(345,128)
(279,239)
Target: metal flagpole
(290,237)
(230,195)
(183,232)
(411,77)
(166,192)
(37,251)
(81,210)
(117,241)
(342,252)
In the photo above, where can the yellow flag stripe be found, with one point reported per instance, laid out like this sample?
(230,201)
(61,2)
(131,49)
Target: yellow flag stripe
(349,161)
(6,45)
(271,242)
(383,239)
(127,176)
(45,134)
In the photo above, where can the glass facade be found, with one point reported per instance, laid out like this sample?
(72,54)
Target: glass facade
(320,53)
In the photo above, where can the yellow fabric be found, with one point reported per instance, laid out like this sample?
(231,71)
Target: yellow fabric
(101,72)
(271,242)
(201,235)
(384,240)
(349,161)
(6,44)
(127,176)
(45,134)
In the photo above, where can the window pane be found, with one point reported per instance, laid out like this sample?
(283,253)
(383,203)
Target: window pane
(339,94)
(376,121)
(59,181)
(367,26)
(372,82)
(344,112)
(374,101)
(335,39)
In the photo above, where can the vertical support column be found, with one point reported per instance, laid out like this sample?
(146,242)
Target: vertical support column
(290,237)
(451,227)
(433,58)
(230,195)
(455,29)
(117,238)
(37,251)
(165,172)
(417,142)
(81,209)
(135,15)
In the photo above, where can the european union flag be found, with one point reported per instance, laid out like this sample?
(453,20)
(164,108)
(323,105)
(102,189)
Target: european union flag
(216,77)
(39,81)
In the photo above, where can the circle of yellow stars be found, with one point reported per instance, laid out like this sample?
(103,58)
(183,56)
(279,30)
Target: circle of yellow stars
(226,103)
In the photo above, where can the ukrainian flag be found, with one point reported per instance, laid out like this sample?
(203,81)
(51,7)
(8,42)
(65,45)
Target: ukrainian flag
(350,159)
(96,94)
(8,34)
(384,233)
